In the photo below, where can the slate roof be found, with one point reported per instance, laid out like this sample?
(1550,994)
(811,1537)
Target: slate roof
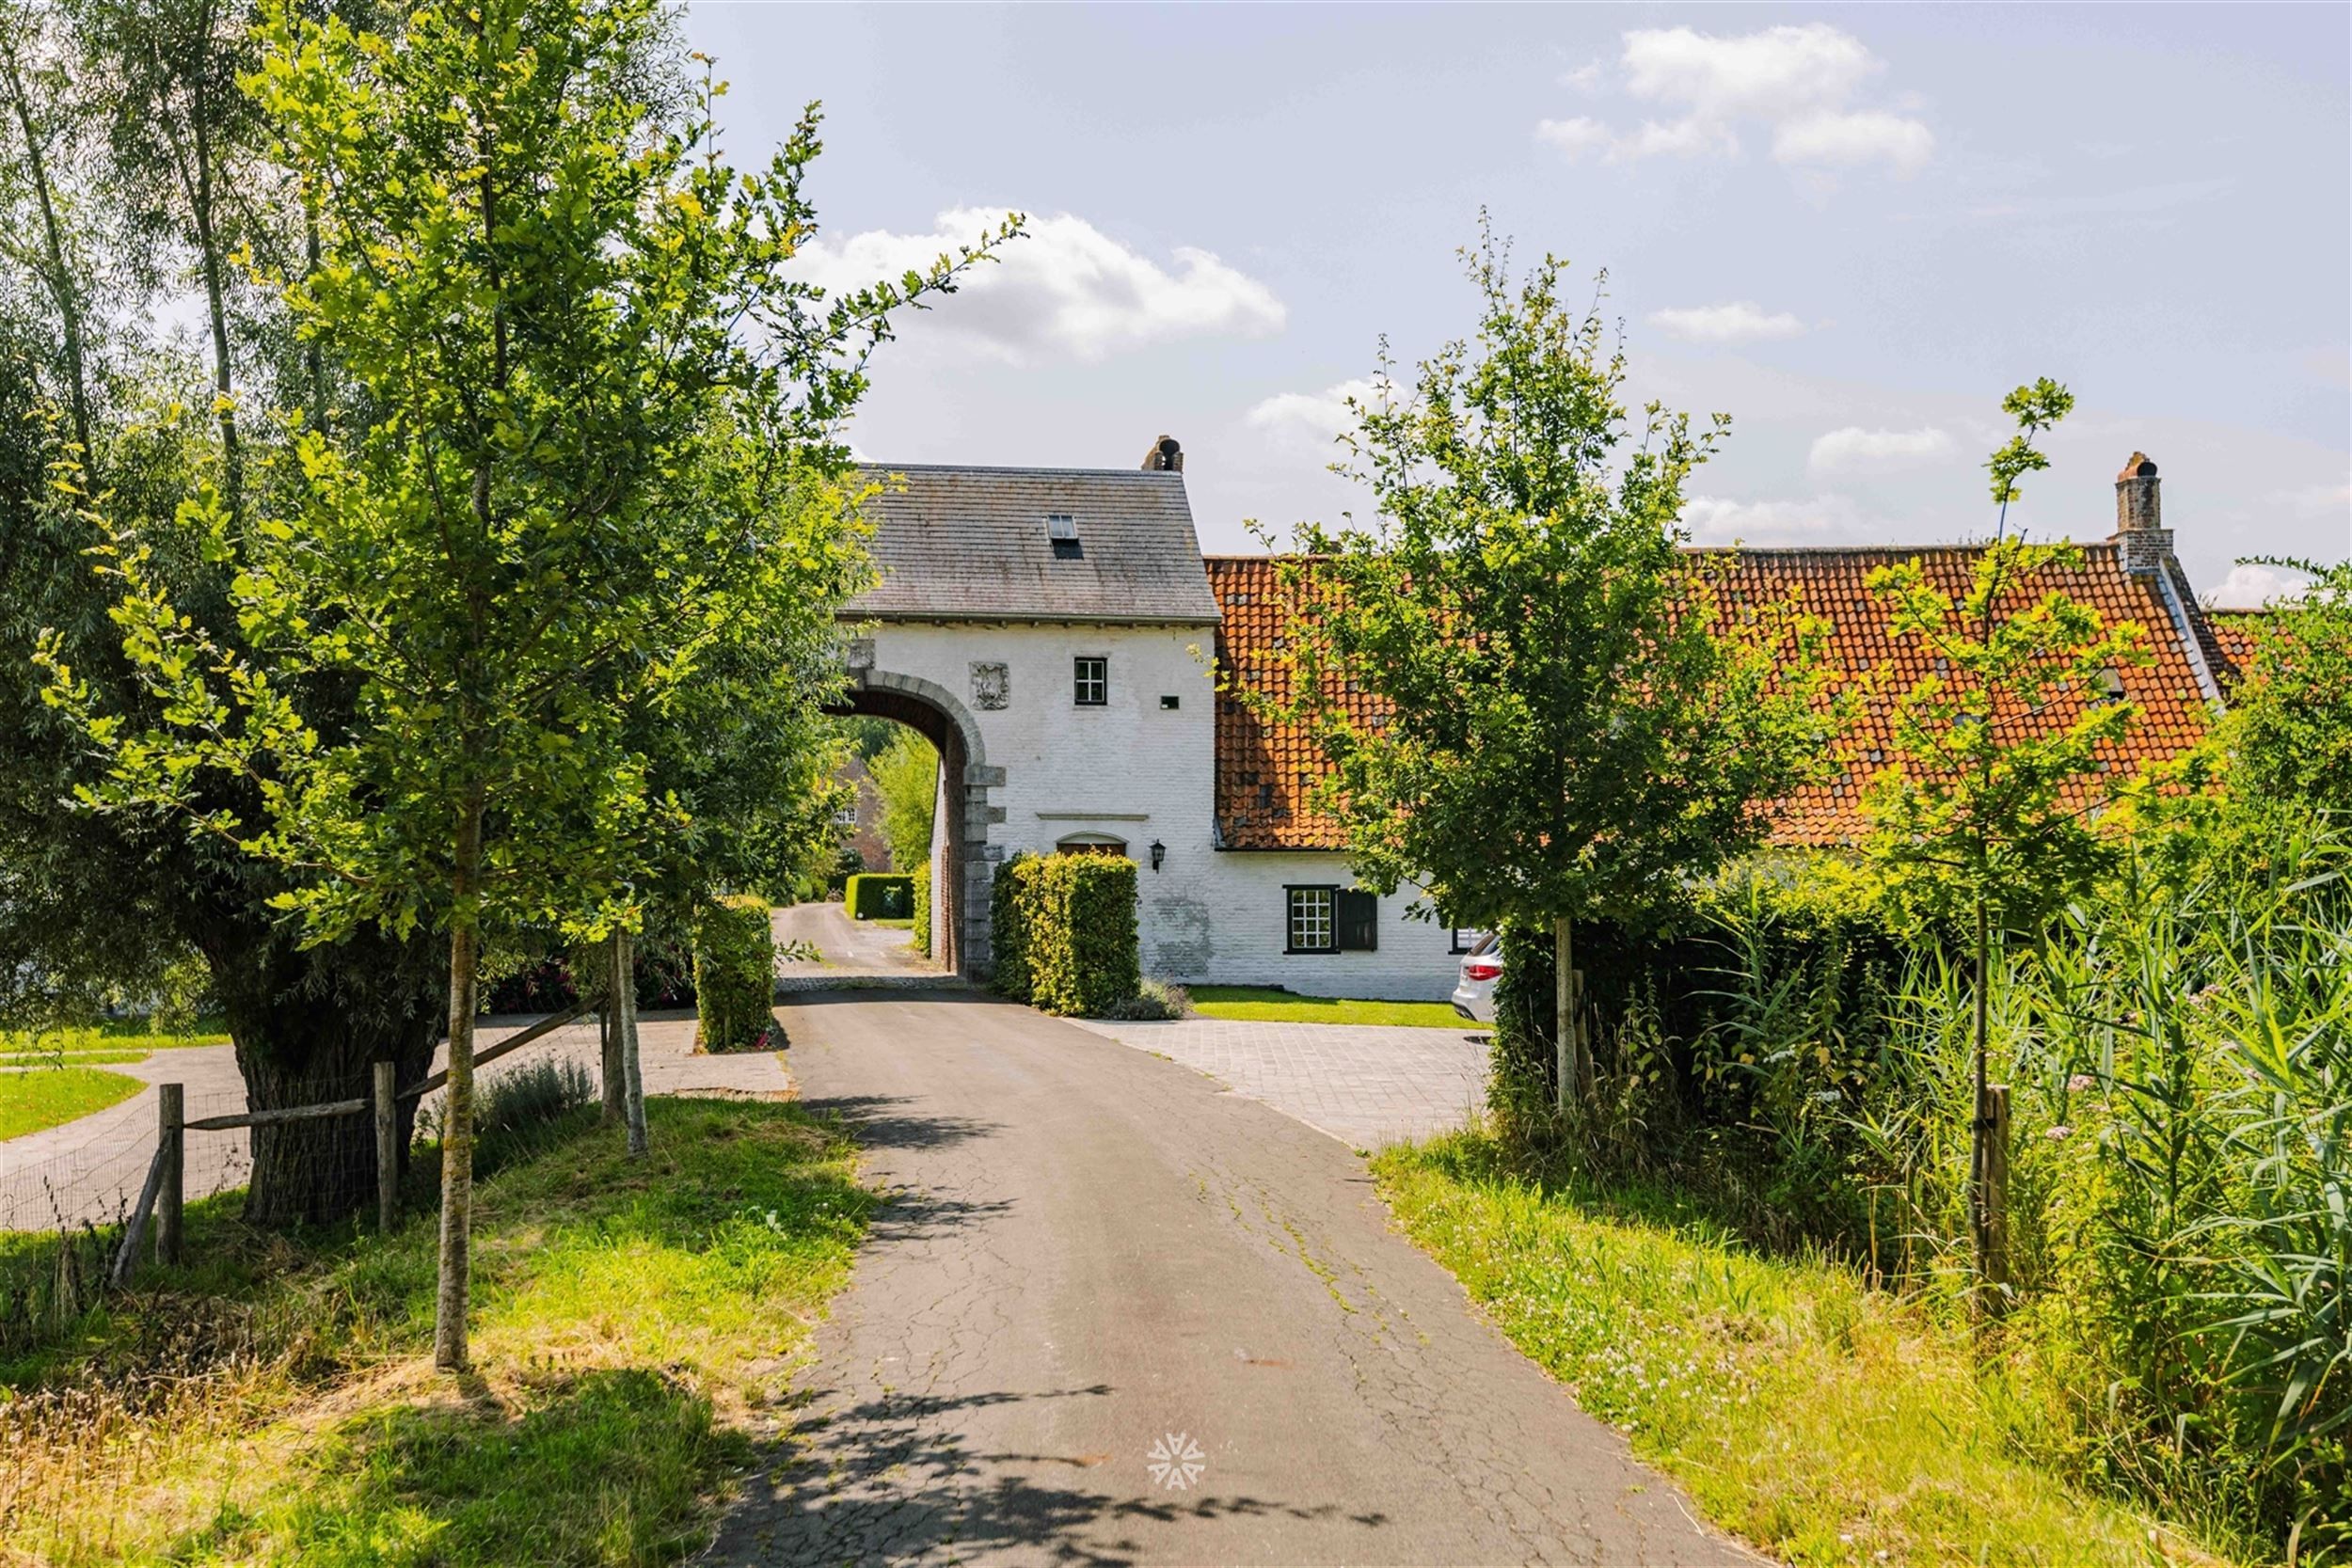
(1264,773)
(967,544)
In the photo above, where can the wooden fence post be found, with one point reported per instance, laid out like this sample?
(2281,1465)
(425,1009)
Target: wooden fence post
(171,1113)
(387,1146)
(1996,1198)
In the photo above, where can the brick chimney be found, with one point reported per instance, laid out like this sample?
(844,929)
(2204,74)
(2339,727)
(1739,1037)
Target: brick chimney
(1165,457)
(2140,537)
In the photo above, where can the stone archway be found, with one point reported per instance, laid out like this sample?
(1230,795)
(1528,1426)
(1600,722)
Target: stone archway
(966,860)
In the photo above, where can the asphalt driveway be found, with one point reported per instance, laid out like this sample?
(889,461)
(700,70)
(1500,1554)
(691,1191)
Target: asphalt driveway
(1115,1314)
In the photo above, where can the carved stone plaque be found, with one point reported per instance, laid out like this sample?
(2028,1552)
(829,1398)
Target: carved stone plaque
(992,684)
(860,654)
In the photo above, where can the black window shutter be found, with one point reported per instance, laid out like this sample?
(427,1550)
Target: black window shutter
(1358,917)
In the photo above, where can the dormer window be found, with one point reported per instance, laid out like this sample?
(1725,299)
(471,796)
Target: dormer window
(1061,529)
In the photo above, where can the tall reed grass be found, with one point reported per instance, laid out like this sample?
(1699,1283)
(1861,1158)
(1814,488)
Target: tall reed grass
(2179,1054)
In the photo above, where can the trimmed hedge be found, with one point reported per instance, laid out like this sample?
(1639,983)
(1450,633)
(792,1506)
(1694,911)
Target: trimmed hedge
(880,896)
(735,973)
(1063,930)
(923,909)
(1008,932)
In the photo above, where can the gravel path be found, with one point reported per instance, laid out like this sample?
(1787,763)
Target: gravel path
(1366,1084)
(1095,1263)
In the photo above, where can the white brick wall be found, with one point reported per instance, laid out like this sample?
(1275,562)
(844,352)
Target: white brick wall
(1140,772)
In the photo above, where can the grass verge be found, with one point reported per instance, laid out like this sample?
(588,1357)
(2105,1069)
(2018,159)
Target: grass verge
(1266,1004)
(77,1058)
(105,1040)
(275,1400)
(51,1096)
(1822,1422)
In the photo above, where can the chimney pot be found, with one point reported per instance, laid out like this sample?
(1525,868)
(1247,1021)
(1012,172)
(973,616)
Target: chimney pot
(1166,456)
(2141,535)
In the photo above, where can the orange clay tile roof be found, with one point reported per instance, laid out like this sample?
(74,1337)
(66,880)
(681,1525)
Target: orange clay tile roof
(1266,771)
(2236,631)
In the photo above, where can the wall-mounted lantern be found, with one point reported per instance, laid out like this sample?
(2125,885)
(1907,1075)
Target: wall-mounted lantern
(1159,853)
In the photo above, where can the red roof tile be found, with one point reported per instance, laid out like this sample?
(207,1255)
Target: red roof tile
(1266,771)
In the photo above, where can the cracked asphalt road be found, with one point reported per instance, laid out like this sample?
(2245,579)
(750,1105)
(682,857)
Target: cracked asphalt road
(1091,1253)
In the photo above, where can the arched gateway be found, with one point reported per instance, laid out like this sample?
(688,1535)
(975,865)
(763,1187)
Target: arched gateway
(1049,630)
(962,860)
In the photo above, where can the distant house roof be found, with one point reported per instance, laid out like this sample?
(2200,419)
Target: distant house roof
(1266,772)
(964,544)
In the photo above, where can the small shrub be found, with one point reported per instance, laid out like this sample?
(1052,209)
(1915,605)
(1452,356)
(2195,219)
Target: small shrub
(878,896)
(734,975)
(1157,1001)
(923,909)
(1065,932)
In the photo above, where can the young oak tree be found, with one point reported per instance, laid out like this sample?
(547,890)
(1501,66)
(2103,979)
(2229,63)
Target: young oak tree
(1982,817)
(597,426)
(1570,716)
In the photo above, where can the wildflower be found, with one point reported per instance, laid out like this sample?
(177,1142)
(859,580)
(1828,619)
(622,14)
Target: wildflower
(2059,1133)
(2082,1083)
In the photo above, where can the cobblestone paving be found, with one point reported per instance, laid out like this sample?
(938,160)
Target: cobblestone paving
(1364,1085)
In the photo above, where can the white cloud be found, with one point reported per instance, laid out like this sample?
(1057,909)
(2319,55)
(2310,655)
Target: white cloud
(1798,82)
(1064,288)
(1854,450)
(1740,322)
(1827,519)
(1845,140)
(1314,419)
(2250,587)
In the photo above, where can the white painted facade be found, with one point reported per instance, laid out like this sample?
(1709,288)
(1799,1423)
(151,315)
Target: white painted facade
(1141,772)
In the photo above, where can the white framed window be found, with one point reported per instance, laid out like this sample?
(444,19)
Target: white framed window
(1090,680)
(1310,927)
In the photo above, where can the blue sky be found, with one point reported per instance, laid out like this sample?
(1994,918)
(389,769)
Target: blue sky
(1853,230)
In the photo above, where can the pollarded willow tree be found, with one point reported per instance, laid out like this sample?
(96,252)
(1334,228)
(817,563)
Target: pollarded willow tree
(1571,715)
(594,438)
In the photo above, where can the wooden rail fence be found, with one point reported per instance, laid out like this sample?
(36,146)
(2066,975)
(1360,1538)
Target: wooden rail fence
(161,1198)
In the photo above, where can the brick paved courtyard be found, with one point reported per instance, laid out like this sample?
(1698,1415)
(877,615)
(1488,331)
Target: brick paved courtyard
(1365,1086)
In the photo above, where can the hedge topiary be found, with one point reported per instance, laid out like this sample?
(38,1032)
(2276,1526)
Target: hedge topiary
(878,896)
(923,910)
(735,973)
(1064,930)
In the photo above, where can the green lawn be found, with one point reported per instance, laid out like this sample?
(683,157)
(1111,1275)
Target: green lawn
(73,1058)
(51,1096)
(629,1315)
(1267,1004)
(106,1037)
(906,924)
(1825,1422)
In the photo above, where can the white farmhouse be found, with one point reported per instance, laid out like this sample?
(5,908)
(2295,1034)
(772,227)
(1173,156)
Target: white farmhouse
(1056,633)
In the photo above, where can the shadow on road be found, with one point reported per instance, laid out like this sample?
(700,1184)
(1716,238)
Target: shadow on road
(890,1478)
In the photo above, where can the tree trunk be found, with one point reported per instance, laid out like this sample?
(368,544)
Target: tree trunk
(307,1024)
(1570,1070)
(612,1077)
(448,1325)
(60,276)
(631,1075)
(1980,1208)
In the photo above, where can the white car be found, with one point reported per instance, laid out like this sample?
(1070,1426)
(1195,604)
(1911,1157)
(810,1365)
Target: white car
(1482,966)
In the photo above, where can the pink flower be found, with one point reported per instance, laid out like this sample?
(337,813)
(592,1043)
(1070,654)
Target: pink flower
(2059,1133)
(2082,1083)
